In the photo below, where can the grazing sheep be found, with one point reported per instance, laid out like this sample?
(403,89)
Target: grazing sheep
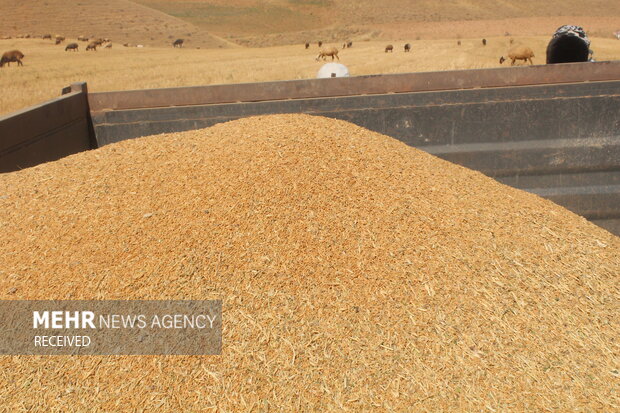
(82,38)
(407,47)
(484,42)
(518,53)
(568,44)
(60,39)
(332,51)
(349,44)
(307,45)
(92,46)
(389,48)
(72,46)
(178,43)
(320,43)
(12,56)
(47,36)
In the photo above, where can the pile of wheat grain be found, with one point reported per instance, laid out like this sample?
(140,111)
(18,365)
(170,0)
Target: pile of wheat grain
(356,273)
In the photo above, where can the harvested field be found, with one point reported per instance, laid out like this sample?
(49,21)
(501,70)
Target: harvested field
(47,69)
(356,273)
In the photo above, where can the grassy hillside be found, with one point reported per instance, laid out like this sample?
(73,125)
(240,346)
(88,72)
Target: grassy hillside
(121,20)
(289,21)
(245,17)
(524,26)
(261,23)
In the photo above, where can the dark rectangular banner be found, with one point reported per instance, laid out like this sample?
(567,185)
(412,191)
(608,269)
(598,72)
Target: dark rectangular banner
(111,327)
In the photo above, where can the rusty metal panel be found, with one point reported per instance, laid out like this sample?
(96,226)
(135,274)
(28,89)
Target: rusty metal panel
(592,202)
(612,225)
(379,101)
(39,119)
(360,85)
(535,157)
(575,111)
(560,141)
(563,179)
(48,147)
(46,132)
(550,130)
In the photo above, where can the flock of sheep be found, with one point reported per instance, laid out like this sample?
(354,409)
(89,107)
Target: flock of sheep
(332,51)
(557,52)
(92,45)
(515,53)
(94,42)
(568,44)
(16,56)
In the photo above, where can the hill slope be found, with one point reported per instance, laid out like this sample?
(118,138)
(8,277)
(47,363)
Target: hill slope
(223,23)
(121,20)
(246,20)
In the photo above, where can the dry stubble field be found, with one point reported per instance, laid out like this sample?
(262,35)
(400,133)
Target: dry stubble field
(48,68)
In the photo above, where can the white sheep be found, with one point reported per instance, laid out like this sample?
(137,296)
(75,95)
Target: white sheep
(518,53)
(331,51)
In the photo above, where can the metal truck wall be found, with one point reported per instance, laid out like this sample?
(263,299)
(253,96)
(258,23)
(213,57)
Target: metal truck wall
(46,132)
(560,141)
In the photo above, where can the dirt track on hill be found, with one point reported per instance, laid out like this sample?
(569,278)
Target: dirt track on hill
(535,26)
